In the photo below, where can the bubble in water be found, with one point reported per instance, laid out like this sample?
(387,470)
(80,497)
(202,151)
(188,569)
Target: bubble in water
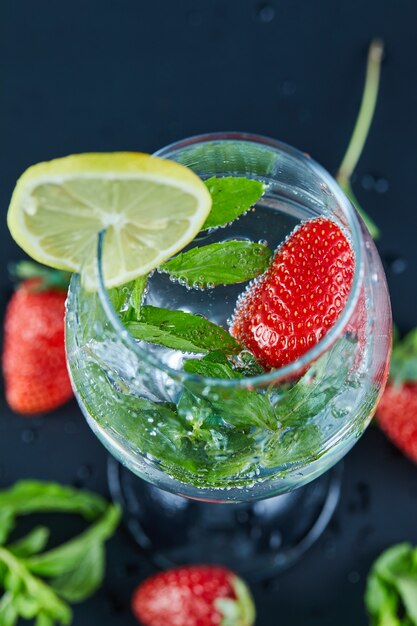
(263,242)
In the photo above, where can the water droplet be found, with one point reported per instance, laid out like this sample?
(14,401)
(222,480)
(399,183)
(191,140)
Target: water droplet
(396,264)
(354,577)
(289,87)
(368,182)
(265,13)
(28,436)
(381,185)
(84,472)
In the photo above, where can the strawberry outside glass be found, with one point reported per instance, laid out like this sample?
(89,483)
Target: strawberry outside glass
(242,451)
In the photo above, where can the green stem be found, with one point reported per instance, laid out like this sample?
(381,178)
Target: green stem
(366,112)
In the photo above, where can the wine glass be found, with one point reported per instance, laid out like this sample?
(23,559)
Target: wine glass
(227,464)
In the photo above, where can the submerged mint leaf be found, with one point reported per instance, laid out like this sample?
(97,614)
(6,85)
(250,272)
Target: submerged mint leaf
(181,331)
(139,286)
(214,365)
(369,222)
(231,196)
(222,263)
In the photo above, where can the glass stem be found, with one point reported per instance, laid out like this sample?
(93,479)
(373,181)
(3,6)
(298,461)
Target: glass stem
(366,112)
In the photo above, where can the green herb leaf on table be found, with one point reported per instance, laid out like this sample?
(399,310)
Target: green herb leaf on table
(232,197)
(75,568)
(32,496)
(391,591)
(222,263)
(181,331)
(35,541)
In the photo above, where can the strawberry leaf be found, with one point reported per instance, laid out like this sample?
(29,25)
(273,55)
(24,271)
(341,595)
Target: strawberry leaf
(181,331)
(231,197)
(403,366)
(223,263)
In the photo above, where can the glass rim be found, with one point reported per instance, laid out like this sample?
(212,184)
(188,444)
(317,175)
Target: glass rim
(287,371)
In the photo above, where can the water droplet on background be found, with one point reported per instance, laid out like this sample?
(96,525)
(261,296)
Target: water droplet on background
(265,13)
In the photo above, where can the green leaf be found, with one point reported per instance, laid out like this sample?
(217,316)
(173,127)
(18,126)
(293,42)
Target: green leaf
(7,518)
(34,542)
(240,407)
(8,613)
(403,366)
(214,365)
(392,587)
(222,263)
(231,197)
(34,596)
(80,582)
(181,331)
(31,496)
(369,223)
(66,557)
(139,286)
(43,619)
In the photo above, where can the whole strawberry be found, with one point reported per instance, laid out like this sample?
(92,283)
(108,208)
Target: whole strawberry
(397,410)
(34,366)
(194,596)
(298,299)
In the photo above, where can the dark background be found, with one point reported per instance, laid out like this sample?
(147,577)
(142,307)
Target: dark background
(97,75)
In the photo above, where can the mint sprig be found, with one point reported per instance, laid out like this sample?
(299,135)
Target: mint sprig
(391,590)
(232,197)
(222,263)
(38,584)
(181,331)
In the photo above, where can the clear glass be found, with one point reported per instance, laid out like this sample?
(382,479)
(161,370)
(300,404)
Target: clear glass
(247,439)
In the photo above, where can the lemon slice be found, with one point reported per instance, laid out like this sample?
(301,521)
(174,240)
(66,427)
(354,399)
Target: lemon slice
(149,207)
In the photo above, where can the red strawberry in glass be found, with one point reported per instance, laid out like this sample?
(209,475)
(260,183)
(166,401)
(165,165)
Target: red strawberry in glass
(299,298)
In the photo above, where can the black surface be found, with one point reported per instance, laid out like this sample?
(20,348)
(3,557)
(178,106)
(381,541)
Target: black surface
(104,75)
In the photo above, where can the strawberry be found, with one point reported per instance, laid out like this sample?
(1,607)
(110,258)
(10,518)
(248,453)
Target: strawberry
(397,410)
(298,299)
(34,365)
(199,595)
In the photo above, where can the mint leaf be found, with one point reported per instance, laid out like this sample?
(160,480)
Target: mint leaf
(28,594)
(76,567)
(66,557)
(139,286)
(231,198)
(181,331)
(214,365)
(31,496)
(80,582)
(8,613)
(368,221)
(391,592)
(240,407)
(222,263)
(34,542)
